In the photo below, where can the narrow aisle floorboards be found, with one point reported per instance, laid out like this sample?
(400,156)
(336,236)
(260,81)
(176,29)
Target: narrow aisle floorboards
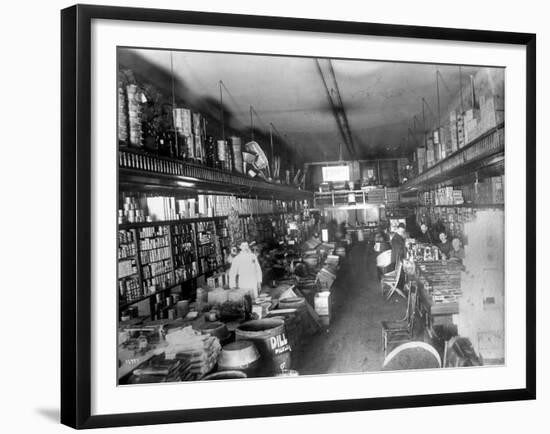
(354,340)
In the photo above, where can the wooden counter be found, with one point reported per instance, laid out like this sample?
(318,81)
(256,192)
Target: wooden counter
(437,281)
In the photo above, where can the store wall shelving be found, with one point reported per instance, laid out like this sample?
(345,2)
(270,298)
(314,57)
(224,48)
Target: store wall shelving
(145,171)
(485,150)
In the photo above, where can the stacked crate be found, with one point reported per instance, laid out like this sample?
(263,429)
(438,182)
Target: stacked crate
(376,196)
(322,306)
(421,159)
(392,195)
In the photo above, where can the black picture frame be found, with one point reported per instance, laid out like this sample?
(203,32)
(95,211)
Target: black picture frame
(76,214)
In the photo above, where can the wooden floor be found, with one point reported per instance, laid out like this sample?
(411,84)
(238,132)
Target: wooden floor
(354,340)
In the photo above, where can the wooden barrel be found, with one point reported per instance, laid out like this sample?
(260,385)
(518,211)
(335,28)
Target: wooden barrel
(217,329)
(292,303)
(225,375)
(302,320)
(240,356)
(270,338)
(292,324)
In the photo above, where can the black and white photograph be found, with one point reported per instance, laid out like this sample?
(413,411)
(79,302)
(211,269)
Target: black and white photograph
(287,216)
(275,217)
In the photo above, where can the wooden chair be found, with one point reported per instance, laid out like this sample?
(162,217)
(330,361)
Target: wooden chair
(401,330)
(391,280)
(383,260)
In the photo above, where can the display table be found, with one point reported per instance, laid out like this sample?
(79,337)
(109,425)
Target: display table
(435,313)
(438,284)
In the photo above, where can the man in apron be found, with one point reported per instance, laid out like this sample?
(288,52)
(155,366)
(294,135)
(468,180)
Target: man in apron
(245,271)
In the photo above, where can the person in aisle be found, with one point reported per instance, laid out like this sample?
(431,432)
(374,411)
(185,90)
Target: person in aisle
(232,254)
(381,242)
(398,244)
(457,251)
(316,237)
(424,235)
(398,250)
(254,248)
(341,231)
(381,245)
(245,271)
(445,245)
(332,227)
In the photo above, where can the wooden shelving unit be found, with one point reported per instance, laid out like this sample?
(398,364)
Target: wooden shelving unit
(468,205)
(485,151)
(143,171)
(167,222)
(129,281)
(167,255)
(186,249)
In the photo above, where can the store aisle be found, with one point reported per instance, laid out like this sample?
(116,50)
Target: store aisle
(354,341)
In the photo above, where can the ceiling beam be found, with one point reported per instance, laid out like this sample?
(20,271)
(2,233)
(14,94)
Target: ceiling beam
(342,110)
(336,104)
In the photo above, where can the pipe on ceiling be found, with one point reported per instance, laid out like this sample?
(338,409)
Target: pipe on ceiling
(337,105)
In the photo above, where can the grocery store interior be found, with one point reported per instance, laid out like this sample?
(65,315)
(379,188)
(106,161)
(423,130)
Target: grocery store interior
(286,216)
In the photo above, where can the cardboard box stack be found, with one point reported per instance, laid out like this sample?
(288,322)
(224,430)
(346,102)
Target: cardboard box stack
(461,138)
(376,195)
(323,307)
(498,189)
(200,350)
(487,114)
(430,155)
(421,159)
(453,131)
(392,195)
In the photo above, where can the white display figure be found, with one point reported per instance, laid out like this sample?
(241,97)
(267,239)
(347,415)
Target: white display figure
(245,271)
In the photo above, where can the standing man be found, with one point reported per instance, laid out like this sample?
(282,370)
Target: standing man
(398,244)
(245,271)
(424,236)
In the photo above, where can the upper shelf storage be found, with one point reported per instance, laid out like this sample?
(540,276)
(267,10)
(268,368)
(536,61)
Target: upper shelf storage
(139,170)
(484,151)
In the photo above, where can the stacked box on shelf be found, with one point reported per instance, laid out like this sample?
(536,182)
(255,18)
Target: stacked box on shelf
(430,154)
(471,130)
(161,208)
(392,195)
(487,114)
(458,199)
(483,192)
(184,251)
(453,131)
(206,251)
(376,195)
(222,232)
(323,307)
(421,159)
(446,142)
(497,183)
(157,271)
(128,274)
(461,139)
(437,145)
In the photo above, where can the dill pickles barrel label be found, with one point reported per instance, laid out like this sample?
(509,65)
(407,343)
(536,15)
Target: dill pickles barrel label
(270,338)
(279,344)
